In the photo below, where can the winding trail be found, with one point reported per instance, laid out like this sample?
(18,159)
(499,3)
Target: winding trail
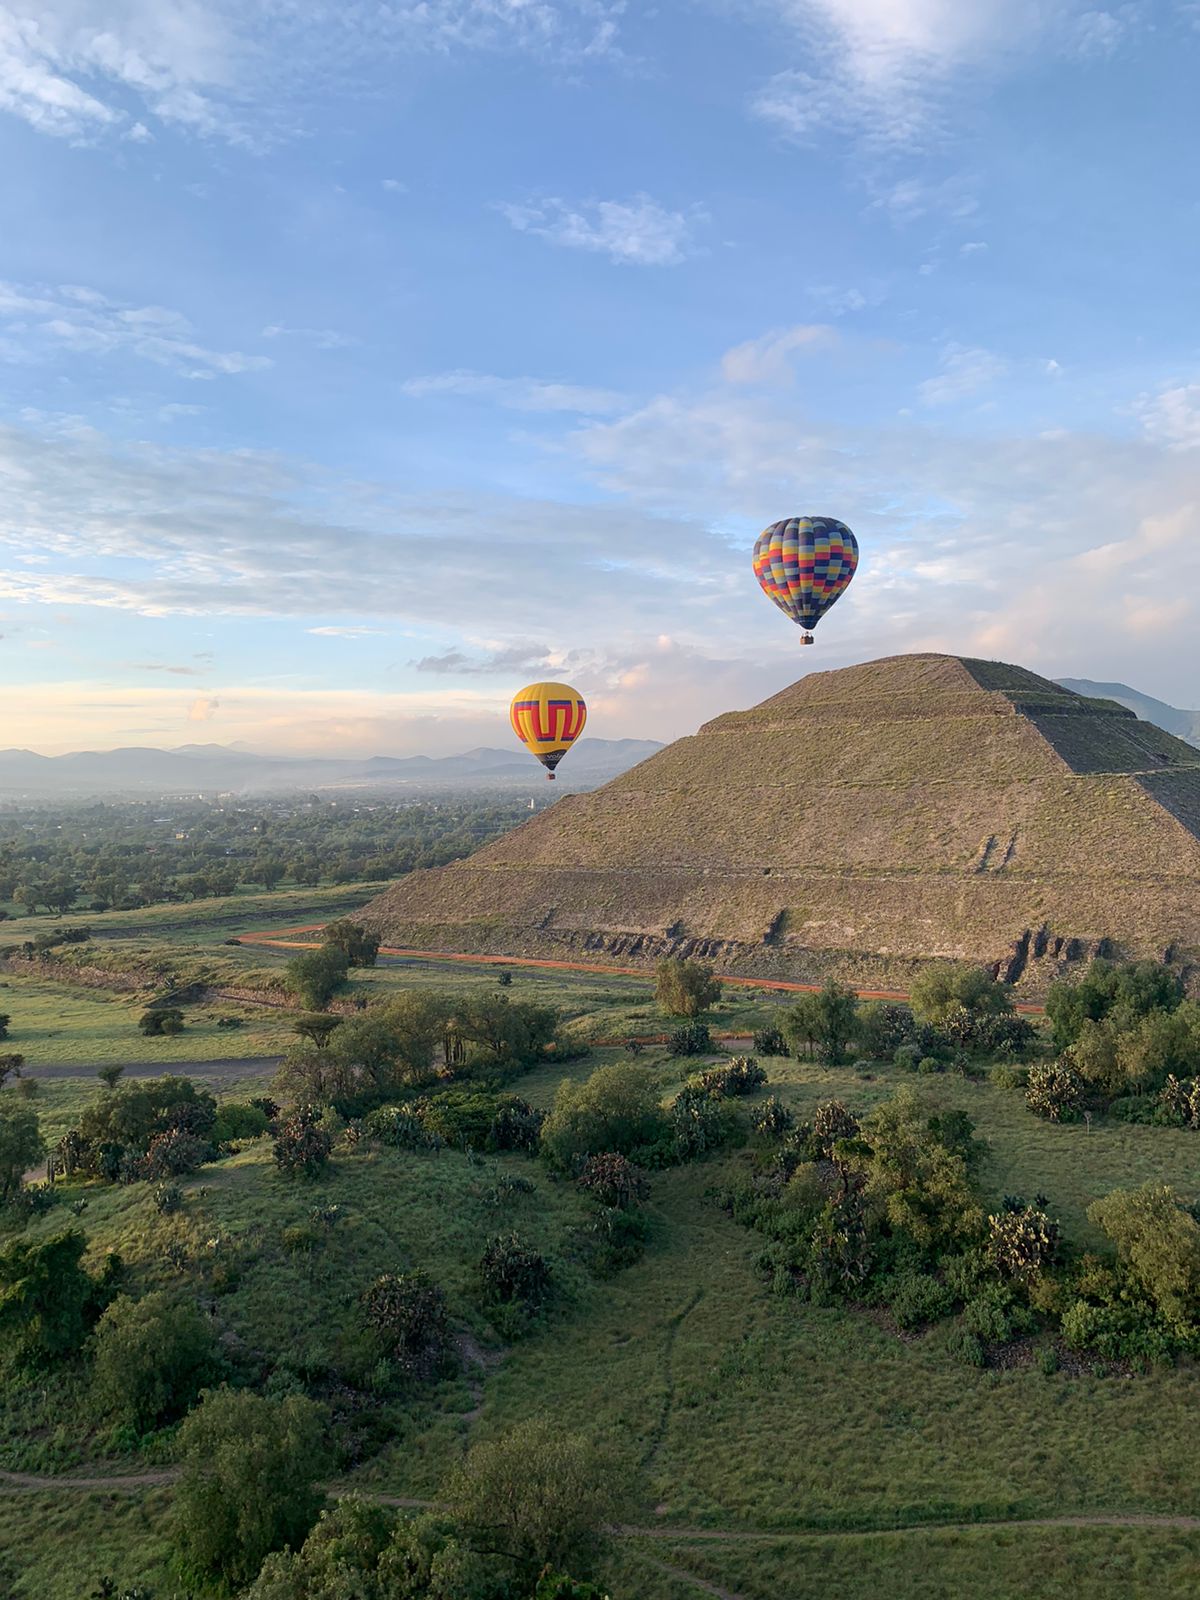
(104,1483)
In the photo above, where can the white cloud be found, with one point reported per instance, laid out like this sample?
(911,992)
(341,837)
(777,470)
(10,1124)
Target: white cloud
(963,371)
(637,232)
(322,338)
(81,320)
(344,633)
(888,70)
(1173,416)
(768,360)
(203,710)
(516,394)
(972,247)
(393,185)
(230,69)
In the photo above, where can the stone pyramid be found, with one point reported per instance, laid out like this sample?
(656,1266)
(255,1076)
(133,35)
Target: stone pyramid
(860,822)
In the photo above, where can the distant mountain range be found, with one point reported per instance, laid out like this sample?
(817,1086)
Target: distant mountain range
(1183,724)
(215,768)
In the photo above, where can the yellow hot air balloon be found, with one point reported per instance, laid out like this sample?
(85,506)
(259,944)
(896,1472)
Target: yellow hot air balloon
(548,718)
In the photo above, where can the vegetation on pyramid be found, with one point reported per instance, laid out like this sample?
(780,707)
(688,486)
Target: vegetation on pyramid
(858,823)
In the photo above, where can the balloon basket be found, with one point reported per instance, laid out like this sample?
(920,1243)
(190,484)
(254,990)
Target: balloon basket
(549,777)
(807,639)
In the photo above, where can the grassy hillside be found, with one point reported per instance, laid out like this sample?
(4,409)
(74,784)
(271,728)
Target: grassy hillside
(794,1435)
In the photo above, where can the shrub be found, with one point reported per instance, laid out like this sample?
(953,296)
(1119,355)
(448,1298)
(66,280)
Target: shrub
(1006,1077)
(47,1300)
(613,1180)
(317,975)
(1055,1092)
(699,1123)
(882,1028)
(906,1057)
(173,1155)
(685,988)
(966,1346)
(360,948)
(769,1042)
(1159,1241)
(824,1022)
(516,1125)
(693,1039)
(542,1496)
(269,1108)
(302,1147)
(152,1358)
(168,1198)
(1022,1243)
(994,1314)
(945,989)
(238,1120)
(249,1482)
(229,1022)
(400,1127)
(739,1075)
(21,1147)
(1179,1101)
(831,1122)
(161,1020)
(514,1273)
(772,1119)
(407,1317)
(915,1298)
(615,1239)
(929,1065)
(1125,993)
(617,1108)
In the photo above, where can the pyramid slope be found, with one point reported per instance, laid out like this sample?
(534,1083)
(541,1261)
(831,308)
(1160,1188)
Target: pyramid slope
(860,821)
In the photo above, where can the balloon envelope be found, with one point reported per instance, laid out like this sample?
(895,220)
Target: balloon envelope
(804,564)
(548,718)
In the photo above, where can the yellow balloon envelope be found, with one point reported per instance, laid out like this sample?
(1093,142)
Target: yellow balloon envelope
(548,718)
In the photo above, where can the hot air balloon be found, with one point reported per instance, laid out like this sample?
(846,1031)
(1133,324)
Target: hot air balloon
(548,718)
(804,564)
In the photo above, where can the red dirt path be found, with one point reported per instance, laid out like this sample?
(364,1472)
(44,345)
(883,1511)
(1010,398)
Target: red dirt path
(286,939)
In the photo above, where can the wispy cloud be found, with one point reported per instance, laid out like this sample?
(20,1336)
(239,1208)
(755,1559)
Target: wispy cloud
(518,657)
(344,633)
(1172,417)
(69,317)
(963,371)
(516,394)
(322,338)
(160,666)
(770,359)
(887,71)
(637,232)
(230,70)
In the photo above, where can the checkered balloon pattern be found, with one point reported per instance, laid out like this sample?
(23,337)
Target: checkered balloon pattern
(804,564)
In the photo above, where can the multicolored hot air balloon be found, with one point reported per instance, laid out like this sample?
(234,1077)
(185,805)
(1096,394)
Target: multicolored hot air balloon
(804,564)
(548,718)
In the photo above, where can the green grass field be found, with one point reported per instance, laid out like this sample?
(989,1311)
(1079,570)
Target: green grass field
(737,1412)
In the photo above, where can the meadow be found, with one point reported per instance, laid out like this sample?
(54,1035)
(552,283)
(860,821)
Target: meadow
(775,1447)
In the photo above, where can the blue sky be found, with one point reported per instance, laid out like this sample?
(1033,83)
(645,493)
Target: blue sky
(359,363)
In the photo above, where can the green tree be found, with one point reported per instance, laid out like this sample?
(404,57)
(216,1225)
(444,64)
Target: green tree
(249,1482)
(21,1147)
(538,1497)
(685,988)
(5,1020)
(1159,1241)
(10,1066)
(317,975)
(618,1108)
(110,1073)
(161,1020)
(515,1032)
(925,1188)
(152,1358)
(945,988)
(1124,993)
(46,1299)
(360,947)
(316,1027)
(826,1020)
